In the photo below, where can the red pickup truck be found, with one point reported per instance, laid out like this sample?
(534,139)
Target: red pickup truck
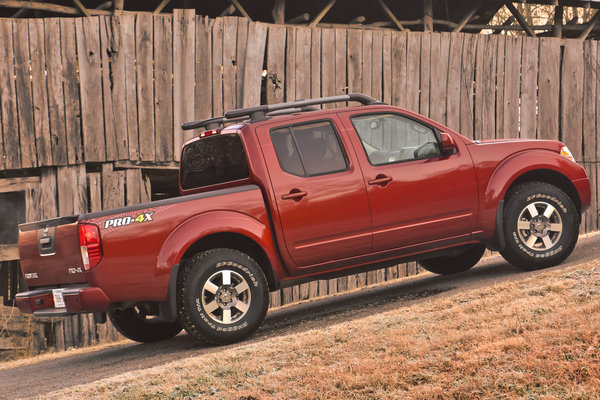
(276,195)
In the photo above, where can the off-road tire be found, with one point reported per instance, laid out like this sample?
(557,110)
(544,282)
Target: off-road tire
(447,265)
(546,238)
(202,286)
(132,324)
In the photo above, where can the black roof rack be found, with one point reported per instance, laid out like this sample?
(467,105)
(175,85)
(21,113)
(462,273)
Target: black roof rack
(261,113)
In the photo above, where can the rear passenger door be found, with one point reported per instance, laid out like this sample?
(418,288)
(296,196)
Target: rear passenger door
(323,212)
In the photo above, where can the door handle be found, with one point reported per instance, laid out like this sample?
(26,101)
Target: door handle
(380,180)
(294,194)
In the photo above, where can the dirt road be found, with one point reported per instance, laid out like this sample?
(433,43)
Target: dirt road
(67,370)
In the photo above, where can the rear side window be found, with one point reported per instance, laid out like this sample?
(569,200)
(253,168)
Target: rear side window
(213,160)
(309,149)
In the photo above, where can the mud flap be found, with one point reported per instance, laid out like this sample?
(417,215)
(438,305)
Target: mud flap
(168,308)
(498,241)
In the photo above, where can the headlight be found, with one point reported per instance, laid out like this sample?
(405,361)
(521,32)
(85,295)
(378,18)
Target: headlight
(565,152)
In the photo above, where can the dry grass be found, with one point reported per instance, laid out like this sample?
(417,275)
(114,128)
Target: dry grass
(537,338)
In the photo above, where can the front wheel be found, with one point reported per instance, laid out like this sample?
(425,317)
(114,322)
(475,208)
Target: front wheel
(139,324)
(541,225)
(222,296)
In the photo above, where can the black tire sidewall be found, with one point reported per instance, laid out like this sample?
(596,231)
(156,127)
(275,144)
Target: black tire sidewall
(516,251)
(197,321)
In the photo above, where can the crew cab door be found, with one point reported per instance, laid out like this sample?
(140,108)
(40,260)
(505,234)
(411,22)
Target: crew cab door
(417,194)
(323,211)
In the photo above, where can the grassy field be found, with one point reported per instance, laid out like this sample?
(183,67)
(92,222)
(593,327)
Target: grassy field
(536,338)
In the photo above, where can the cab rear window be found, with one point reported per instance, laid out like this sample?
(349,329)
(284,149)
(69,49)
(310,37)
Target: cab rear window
(213,160)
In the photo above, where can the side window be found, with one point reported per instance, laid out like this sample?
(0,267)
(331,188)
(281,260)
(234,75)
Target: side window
(309,149)
(389,138)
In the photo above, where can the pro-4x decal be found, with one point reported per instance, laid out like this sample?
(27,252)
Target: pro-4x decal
(124,221)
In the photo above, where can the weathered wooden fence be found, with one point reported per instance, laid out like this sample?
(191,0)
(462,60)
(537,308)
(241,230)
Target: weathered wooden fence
(87,102)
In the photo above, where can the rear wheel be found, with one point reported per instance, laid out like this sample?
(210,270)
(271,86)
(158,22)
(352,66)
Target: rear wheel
(453,264)
(223,296)
(541,226)
(138,324)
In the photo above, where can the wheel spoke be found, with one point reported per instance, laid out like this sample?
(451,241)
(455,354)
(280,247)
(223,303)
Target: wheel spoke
(227,316)
(226,277)
(211,287)
(531,241)
(549,210)
(556,227)
(524,225)
(547,241)
(241,288)
(212,306)
(243,307)
(532,210)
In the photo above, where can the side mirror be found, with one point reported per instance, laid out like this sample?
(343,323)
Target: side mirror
(448,145)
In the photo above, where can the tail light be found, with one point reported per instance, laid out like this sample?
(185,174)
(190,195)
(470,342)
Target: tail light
(91,246)
(209,133)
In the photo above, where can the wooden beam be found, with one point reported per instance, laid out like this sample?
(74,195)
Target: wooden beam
(590,25)
(54,8)
(320,15)
(278,12)
(558,21)
(299,19)
(358,20)
(520,19)
(508,22)
(105,6)
(160,7)
(391,15)
(237,5)
(119,4)
(428,15)
(81,8)
(146,165)
(17,184)
(465,20)
(9,252)
(228,11)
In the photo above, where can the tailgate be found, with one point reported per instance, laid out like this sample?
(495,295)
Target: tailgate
(49,252)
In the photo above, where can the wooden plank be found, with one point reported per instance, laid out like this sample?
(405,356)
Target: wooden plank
(290,64)
(361,280)
(425,74)
(355,58)
(55,94)
(328,64)
(275,299)
(113,89)
(512,82)
(549,88)
(332,286)
(413,72)
(94,181)
(240,56)
(133,182)
(571,97)
(485,98)
(440,46)
(253,65)
(377,66)
(286,295)
(145,92)
(146,191)
(48,202)
(341,83)
(33,198)
(217,64)
(387,67)
(88,50)
(127,23)
(163,87)
(17,184)
(203,103)
(24,94)
(68,50)
(9,133)
(500,65)
(304,291)
(590,98)
(229,63)
(112,187)
(467,75)
(276,64)
(529,84)
(323,286)
(367,62)
(184,30)
(454,70)
(9,252)
(4,282)
(315,68)
(72,190)
(399,69)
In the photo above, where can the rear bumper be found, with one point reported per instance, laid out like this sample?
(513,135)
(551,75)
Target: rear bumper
(76,299)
